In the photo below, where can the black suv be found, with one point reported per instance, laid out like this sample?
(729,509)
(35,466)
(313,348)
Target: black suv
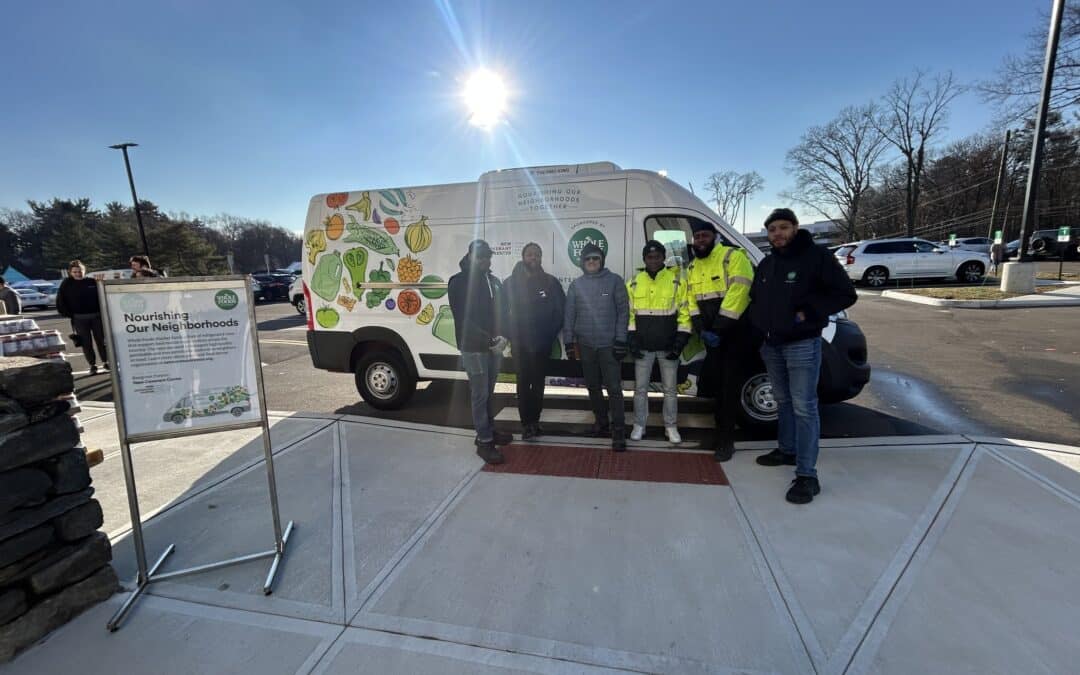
(1045,243)
(274,286)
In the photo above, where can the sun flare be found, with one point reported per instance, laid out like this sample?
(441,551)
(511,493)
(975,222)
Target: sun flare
(485,96)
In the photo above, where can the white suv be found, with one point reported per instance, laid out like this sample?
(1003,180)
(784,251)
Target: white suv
(875,262)
(296,295)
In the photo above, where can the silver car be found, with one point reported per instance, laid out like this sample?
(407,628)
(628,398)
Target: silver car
(31,298)
(875,262)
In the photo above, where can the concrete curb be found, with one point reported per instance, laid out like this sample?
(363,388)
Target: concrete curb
(981,304)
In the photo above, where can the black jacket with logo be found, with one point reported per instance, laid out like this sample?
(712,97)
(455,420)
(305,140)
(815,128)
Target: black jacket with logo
(805,278)
(536,305)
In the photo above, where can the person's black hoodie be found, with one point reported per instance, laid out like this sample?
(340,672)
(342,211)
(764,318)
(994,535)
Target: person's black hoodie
(478,303)
(77,296)
(536,309)
(803,277)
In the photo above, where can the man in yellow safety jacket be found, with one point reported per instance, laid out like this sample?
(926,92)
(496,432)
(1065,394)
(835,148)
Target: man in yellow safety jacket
(718,290)
(659,330)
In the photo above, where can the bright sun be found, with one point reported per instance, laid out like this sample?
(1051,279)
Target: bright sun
(485,95)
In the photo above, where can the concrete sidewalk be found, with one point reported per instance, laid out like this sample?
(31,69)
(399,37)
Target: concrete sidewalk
(922,554)
(1066,295)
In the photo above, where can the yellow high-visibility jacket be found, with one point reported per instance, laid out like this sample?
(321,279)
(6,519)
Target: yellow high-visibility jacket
(718,289)
(658,309)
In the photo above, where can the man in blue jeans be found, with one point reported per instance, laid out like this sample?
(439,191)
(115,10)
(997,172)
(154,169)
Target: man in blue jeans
(478,304)
(795,290)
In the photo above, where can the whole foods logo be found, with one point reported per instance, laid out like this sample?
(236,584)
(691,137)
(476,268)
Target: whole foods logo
(226,299)
(133,302)
(582,238)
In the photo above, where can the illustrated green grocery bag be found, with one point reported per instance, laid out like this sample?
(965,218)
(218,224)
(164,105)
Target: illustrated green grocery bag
(443,326)
(327,276)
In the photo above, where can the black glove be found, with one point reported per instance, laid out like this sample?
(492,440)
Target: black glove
(619,350)
(635,348)
(681,340)
(571,351)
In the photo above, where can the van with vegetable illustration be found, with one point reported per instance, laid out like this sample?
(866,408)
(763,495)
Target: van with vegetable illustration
(235,400)
(376,263)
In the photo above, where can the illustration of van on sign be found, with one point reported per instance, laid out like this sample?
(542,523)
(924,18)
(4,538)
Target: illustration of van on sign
(219,400)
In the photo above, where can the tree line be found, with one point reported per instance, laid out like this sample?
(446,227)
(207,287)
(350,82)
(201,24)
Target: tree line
(40,241)
(885,167)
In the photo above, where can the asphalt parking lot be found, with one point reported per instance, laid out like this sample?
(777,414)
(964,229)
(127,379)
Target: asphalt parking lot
(1010,373)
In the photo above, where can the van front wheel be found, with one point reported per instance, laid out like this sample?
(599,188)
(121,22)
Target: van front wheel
(756,406)
(383,381)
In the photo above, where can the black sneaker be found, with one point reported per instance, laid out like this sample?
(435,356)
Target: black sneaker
(105,366)
(724,449)
(502,437)
(93,369)
(528,432)
(598,430)
(803,489)
(776,458)
(618,442)
(489,453)
(537,429)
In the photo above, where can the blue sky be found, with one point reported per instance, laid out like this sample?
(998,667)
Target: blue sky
(249,109)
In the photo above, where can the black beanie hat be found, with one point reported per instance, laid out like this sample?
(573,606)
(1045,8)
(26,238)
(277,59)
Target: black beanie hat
(699,225)
(592,249)
(652,245)
(782,214)
(480,247)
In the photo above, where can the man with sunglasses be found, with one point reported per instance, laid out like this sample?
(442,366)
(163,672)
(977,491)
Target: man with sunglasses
(595,328)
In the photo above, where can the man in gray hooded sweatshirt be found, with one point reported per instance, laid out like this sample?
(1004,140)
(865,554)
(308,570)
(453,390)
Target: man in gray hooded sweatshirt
(597,316)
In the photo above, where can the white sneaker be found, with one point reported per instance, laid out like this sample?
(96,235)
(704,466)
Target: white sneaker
(672,434)
(637,433)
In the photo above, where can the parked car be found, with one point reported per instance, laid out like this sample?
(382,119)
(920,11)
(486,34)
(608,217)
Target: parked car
(274,286)
(31,298)
(296,295)
(1012,249)
(980,244)
(875,262)
(47,288)
(1045,243)
(257,290)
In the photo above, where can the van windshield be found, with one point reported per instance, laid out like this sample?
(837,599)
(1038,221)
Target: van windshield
(675,233)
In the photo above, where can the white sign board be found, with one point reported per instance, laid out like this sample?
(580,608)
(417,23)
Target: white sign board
(184,355)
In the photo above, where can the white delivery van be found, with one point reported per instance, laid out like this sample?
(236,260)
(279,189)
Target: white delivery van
(376,264)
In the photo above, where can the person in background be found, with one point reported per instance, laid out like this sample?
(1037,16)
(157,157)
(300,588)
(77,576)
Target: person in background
(77,299)
(595,328)
(718,289)
(478,303)
(795,291)
(536,302)
(659,331)
(140,266)
(11,302)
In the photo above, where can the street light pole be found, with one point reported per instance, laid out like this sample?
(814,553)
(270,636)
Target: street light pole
(1030,199)
(131,181)
(1000,182)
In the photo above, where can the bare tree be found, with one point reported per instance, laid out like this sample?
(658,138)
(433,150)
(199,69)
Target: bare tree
(833,164)
(914,111)
(1016,86)
(731,189)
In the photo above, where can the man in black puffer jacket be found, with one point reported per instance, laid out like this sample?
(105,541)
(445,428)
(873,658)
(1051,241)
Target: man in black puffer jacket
(478,303)
(795,291)
(536,301)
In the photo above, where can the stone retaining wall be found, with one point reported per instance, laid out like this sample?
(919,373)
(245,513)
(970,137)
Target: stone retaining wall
(54,563)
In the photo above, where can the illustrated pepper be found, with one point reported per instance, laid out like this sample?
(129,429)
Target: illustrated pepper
(355,260)
(327,276)
(376,295)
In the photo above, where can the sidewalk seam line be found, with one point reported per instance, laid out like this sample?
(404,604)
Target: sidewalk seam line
(962,477)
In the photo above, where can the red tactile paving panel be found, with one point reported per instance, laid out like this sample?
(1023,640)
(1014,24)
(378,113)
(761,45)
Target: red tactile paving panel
(636,465)
(549,460)
(662,467)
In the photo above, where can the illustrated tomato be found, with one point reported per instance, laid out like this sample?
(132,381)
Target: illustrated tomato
(391,225)
(337,199)
(409,302)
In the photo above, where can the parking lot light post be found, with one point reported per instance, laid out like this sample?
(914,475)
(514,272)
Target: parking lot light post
(1000,183)
(122,147)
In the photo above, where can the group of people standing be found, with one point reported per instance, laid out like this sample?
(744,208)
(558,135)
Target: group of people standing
(780,310)
(77,299)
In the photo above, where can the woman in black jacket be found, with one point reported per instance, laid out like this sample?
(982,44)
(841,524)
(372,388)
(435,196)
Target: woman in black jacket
(77,299)
(536,302)
(795,291)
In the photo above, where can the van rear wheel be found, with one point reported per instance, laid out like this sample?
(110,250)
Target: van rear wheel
(383,380)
